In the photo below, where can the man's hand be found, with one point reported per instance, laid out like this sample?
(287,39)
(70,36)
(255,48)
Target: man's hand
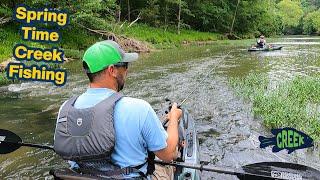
(175,114)
(169,153)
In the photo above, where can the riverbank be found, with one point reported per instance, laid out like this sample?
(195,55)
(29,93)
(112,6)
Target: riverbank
(76,39)
(292,103)
(138,38)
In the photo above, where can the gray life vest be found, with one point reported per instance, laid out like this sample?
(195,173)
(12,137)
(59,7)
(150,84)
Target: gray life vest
(86,134)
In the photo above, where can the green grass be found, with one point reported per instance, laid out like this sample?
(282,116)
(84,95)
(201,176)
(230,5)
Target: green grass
(295,103)
(9,37)
(75,40)
(169,38)
(3,79)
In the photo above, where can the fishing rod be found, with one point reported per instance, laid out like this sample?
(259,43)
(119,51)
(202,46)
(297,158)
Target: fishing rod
(9,142)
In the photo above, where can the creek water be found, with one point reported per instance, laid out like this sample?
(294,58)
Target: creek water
(228,130)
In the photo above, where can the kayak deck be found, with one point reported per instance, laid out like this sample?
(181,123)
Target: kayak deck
(266,48)
(190,153)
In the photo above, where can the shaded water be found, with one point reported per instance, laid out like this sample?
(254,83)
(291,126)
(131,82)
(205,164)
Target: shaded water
(227,128)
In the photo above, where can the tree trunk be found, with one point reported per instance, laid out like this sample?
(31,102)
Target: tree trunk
(128,4)
(234,18)
(166,15)
(119,12)
(179,16)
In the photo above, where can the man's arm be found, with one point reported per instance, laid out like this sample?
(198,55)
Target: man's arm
(169,153)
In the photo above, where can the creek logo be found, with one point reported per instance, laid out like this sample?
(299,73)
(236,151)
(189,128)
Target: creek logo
(286,138)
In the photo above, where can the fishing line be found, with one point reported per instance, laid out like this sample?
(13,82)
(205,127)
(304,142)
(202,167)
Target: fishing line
(188,95)
(203,79)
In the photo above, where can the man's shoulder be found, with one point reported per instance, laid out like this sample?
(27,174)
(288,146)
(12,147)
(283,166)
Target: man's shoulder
(134,102)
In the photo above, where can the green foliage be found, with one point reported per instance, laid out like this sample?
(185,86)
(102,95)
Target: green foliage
(5,11)
(270,22)
(290,12)
(94,14)
(77,38)
(151,13)
(295,103)
(3,79)
(259,16)
(310,5)
(209,16)
(165,38)
(311,23)
(252,17)
(11,36)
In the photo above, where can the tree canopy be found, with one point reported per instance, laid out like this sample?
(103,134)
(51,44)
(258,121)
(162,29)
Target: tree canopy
(242,17)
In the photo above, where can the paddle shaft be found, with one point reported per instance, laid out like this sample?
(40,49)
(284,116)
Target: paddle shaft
(223,170)
(193,166)
(181,164)
(30,145)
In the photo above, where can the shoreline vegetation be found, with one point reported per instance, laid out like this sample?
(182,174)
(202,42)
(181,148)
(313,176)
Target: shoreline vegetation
(152,24)
(293,103)
(133,38)
(138,38)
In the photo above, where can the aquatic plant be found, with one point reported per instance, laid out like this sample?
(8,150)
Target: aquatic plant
(293,103)
(3,79)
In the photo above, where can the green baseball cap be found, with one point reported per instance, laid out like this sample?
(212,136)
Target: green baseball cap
(105,53)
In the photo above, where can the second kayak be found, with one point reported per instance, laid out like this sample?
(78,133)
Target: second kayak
(266,48)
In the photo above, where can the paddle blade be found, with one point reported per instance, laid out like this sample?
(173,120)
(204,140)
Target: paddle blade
(280,170)
(8,141)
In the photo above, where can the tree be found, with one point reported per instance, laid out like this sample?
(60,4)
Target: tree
(234,17)
(119,12)
(310,5)
(150,14)
(291,13)
(165,11)
(94,14)
(311,23)
(129,13)
(183,12)
(179,16)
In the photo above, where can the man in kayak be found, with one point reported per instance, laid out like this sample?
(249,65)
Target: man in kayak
(261,42)
(137,128)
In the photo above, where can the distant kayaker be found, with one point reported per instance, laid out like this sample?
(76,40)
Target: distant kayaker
(261,42)
(84,131)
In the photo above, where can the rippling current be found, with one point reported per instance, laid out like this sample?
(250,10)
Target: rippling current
(227,128)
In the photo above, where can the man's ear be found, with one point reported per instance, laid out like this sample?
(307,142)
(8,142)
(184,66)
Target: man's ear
(111,71)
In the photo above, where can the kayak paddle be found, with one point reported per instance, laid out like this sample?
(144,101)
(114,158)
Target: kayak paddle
(10,142)
(262,170)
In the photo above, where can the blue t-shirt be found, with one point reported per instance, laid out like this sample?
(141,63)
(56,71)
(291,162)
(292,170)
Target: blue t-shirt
(137,127)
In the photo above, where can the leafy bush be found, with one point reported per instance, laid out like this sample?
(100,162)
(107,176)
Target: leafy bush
(311,23)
